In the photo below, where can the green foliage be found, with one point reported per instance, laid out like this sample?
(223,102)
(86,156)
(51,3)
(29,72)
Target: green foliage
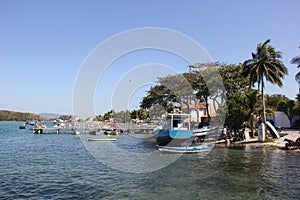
(179,87)
(241,100)
(159,95)
(206,83)
(297,123)
(298,98)
(296,61)
(99,118)
(109,115)
(6,115)
(241,107)
(280,102)
(237,111)
(140,114)
(122,116)
(233,79)
(265,63)
(65,117)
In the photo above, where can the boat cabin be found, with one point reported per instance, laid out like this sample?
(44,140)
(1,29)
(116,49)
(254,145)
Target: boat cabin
(176,122)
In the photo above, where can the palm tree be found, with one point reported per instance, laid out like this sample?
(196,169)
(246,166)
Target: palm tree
(296,61)
(265,64)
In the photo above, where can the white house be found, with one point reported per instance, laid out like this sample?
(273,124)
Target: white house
(202,115)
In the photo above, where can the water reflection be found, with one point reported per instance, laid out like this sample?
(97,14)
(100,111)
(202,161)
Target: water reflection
(59,167)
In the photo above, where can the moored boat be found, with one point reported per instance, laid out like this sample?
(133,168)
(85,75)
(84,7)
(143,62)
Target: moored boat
(200,133)
(32,123)
(101,138)
(23,126)
(174,132)
(184,150)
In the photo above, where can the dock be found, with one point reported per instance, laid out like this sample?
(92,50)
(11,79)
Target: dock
(85,127)
(57,130)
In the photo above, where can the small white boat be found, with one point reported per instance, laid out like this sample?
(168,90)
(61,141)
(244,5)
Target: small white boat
(77,132)
(99,139)
(184,150)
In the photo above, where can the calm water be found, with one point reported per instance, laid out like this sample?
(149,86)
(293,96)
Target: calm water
(54,166)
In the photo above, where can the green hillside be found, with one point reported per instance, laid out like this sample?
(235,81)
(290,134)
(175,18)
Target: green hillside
(6,115)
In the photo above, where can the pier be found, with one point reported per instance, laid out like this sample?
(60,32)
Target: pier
(57,130)
(84,127)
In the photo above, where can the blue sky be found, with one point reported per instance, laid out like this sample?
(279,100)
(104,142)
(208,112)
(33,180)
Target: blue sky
(44,43)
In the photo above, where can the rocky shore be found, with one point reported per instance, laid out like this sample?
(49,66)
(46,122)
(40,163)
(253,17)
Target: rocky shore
(287,134)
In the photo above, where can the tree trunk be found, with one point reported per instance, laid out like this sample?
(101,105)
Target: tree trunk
(263,110)
(207,110)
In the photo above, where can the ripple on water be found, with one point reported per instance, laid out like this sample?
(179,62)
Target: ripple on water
(59,167)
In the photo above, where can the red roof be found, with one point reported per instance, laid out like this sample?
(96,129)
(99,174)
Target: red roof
(200,106)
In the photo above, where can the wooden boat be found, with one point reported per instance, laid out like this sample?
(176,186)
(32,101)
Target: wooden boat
(184,150)
(22,126)
(101,138)
(173,130)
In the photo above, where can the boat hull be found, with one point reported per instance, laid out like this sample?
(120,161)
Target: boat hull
(184,150)
(101,139)
(22,127)
(172,137)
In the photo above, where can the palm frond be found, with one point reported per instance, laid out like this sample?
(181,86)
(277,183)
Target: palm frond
(296,61)
(266,42)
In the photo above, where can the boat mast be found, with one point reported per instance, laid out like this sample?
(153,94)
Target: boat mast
(172,122)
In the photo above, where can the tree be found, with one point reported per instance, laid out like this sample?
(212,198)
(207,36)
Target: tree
(180,87)
(194,81)
(159,95)
(298,98)
(65,117)
(122,116)
(205,80)
(241,105)
(108,115)
(264,64)
(6,115)
(237,111)
(282,103)
(140,114)
(296,61)
(99,118)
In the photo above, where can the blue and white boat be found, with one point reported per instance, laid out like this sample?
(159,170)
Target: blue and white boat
(185,150)
(174,131)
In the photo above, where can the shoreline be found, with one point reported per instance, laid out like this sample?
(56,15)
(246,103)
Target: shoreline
(278,143)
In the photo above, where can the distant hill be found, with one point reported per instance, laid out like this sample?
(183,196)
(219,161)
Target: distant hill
(49,115)
(6,115)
